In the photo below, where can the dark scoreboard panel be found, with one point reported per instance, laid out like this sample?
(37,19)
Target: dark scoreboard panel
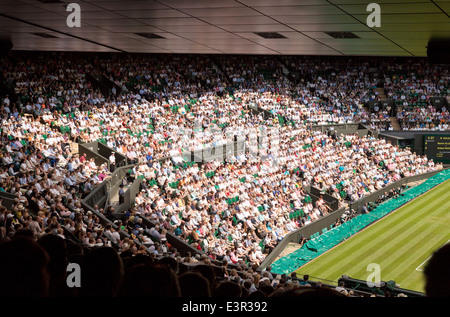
(437,147)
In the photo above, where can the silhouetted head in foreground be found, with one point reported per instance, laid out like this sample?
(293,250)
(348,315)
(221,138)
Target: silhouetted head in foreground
(193,284)
(23,268)
(149,280)
(56,248)
(227,289)
(437,273)
(102,271)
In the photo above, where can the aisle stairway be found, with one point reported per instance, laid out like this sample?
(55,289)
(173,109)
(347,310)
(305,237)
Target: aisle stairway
(381,93)
(73,148)
(114,199)
(395,124)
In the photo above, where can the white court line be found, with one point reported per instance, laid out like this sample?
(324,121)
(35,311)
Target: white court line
(417,268)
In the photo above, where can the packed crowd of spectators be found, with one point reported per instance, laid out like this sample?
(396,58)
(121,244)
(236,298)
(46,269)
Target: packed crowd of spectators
(412,87)
(413,83)
(424,119)
(235,210)
(47,179)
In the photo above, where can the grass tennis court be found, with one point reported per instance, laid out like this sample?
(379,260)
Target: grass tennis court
(400,243)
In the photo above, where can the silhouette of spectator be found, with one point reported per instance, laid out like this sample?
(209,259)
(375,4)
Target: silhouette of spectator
(207,272)
(194,284)
(57,265)
(267,289)
(130,261)
(437,273)
(101,273)
(24,268)
(75,252)
(248,286)
(228,289)
(257,294)
(149,280)
(126,255)
(171,262)
(24,233)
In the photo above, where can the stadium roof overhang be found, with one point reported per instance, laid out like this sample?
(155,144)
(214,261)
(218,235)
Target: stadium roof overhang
(289,27)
